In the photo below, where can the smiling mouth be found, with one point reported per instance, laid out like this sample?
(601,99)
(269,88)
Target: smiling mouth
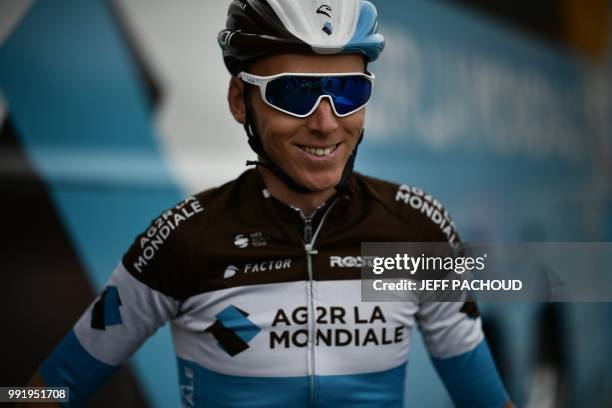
(320,151)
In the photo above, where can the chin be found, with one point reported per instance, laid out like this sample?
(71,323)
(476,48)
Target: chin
(322,183)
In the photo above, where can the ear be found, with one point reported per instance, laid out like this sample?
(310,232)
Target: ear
(235,98)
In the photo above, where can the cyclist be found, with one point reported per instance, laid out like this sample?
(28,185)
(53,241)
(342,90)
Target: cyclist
(260,278)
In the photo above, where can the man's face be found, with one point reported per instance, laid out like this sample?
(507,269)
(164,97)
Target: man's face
(289,140)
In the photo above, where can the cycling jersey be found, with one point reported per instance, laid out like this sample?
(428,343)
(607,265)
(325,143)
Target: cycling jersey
(265,304)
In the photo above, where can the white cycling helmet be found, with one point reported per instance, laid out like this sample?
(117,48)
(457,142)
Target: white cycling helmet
(262,27)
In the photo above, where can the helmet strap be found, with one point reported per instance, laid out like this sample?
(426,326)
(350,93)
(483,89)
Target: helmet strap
(257,146)
(348,167)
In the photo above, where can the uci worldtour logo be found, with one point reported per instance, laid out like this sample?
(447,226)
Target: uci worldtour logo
(233,330)
(255,239)
(326,11)
(241,241)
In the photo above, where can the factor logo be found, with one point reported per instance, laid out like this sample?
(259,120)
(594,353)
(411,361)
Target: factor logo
(230,271)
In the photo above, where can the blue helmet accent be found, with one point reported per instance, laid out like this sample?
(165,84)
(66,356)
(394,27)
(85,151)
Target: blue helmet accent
(366,39)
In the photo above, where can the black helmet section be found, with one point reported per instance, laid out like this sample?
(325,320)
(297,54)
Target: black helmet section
(253,30)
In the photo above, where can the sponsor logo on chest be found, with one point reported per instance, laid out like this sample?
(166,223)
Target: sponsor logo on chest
(349,261)
(254,239)
(254,267)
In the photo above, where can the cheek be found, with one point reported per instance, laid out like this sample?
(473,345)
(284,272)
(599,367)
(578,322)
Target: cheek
(277,132)
(353,125)
(274,127)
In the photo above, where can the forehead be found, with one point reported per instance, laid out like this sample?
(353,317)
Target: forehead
(276,64)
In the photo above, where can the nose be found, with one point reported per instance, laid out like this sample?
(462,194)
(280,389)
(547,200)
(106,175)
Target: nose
(323,120)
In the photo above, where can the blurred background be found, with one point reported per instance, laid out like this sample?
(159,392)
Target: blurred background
(111,111)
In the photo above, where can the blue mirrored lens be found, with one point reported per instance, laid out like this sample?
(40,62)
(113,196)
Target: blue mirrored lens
(298,94)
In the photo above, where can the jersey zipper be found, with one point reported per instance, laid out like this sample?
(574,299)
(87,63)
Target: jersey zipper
(309,242)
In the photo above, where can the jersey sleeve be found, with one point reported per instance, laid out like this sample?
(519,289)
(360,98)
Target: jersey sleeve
(140,296)
(453,336)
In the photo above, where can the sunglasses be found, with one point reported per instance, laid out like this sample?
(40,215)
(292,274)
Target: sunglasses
(299,95)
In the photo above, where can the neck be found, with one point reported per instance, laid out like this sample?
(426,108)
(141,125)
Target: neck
(308,203)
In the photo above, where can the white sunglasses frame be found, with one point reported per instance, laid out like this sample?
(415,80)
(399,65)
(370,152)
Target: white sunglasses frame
(262,82)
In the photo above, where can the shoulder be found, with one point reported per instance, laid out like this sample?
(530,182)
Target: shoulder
(412,205)
(164,249)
